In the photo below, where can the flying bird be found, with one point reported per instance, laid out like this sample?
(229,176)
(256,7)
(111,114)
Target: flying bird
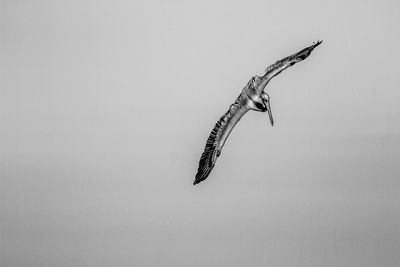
(252,97)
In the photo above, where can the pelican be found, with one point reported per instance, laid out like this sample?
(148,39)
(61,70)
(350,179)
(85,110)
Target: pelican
(252,97)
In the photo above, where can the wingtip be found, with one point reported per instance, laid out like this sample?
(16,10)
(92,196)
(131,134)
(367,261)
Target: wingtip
(314,45)
(197,180)
(317,43)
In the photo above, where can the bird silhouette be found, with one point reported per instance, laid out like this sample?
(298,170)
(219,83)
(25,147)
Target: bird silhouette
(252,97)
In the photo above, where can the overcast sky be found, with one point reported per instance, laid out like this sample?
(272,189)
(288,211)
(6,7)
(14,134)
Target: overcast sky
(105,108)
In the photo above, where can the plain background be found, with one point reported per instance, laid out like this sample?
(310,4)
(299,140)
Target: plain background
(106,106)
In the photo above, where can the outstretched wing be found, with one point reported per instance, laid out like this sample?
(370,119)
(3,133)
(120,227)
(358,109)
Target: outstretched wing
(218,136)
(285,63)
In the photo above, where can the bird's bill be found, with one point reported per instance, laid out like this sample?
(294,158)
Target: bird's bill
(268,105)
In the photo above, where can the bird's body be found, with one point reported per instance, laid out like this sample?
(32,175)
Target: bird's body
(252,97)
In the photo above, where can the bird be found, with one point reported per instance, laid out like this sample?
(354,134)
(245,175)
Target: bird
(253,97)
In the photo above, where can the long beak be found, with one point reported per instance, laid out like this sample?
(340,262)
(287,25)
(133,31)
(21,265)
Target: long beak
(268,105)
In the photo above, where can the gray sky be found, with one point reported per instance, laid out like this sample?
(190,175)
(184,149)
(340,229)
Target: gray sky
(105,107)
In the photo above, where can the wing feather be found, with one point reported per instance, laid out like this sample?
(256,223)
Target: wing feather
(217,138)
(279,66)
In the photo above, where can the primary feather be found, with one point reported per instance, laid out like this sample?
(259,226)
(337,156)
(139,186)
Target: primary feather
(218,136)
